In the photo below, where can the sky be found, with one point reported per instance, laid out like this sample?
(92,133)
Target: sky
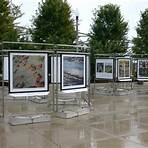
(130,10)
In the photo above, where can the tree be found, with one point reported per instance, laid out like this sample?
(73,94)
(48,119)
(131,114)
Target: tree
(108,33)
(8,15)
(9,31)
(141,41)
(53,23)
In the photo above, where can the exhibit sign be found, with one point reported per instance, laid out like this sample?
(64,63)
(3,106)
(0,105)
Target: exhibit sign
(124,69)
(142,72)
(5,68)
(55,69)
(104,68)
(73,71)
(28,72)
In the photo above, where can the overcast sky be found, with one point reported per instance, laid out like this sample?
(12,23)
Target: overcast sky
(130,10)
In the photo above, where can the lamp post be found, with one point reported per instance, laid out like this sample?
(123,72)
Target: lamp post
(77,24)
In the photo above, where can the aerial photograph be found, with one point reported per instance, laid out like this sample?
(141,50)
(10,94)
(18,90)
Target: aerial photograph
(73,68)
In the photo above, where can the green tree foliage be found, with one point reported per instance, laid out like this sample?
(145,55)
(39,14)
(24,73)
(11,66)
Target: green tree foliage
(53,23)
(9,31)
(8,14)
(108,32)
(141,41)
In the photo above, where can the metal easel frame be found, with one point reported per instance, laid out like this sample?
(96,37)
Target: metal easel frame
(72,50)
(54,50)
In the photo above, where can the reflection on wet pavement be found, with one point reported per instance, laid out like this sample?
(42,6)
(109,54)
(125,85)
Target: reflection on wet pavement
(115,121)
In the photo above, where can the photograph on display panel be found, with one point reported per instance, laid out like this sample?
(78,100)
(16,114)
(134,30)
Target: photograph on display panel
(104,68)
(142,69)
(123,69)
(108,67)
(73,71)
(28,72)
(100,67)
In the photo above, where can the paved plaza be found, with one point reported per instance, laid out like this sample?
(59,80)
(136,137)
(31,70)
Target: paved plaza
(117,120)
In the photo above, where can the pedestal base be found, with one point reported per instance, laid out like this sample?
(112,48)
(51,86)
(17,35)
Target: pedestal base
(28,119)
(67,114)
(83,111)
(71,114)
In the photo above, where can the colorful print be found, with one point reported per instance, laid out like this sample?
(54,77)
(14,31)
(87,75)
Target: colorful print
(124,68)
(28,71)
(143,68)
(108,67)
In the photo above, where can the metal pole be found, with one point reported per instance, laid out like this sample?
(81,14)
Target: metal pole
(53,81)
(114,75)
(77,30)
(89,84)
(131,72)
(44,44)
(3,103)
(57,81)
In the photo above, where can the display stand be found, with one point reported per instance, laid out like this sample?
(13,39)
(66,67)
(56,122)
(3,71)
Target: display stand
(71,103)
(128,72)
(39,99)
(118,82)
(30,116)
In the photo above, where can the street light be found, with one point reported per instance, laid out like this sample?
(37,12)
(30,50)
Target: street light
(77,24)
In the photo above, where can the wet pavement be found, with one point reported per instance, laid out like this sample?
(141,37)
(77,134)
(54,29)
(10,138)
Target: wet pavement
(118,120)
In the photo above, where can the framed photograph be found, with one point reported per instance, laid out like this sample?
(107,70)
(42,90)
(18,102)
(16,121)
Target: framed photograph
(28,72)
(104,68)
(73,71)
(124,69)
(142,72)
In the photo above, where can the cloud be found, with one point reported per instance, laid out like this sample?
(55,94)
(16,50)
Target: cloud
(130,10)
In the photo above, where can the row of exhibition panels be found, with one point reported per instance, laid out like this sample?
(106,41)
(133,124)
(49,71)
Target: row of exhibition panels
(122,68)
(29,73)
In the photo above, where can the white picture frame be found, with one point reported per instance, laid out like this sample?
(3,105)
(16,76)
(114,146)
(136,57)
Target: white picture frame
(28,72)
(124,69)
(104,68)
(142,70)
(73,71)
